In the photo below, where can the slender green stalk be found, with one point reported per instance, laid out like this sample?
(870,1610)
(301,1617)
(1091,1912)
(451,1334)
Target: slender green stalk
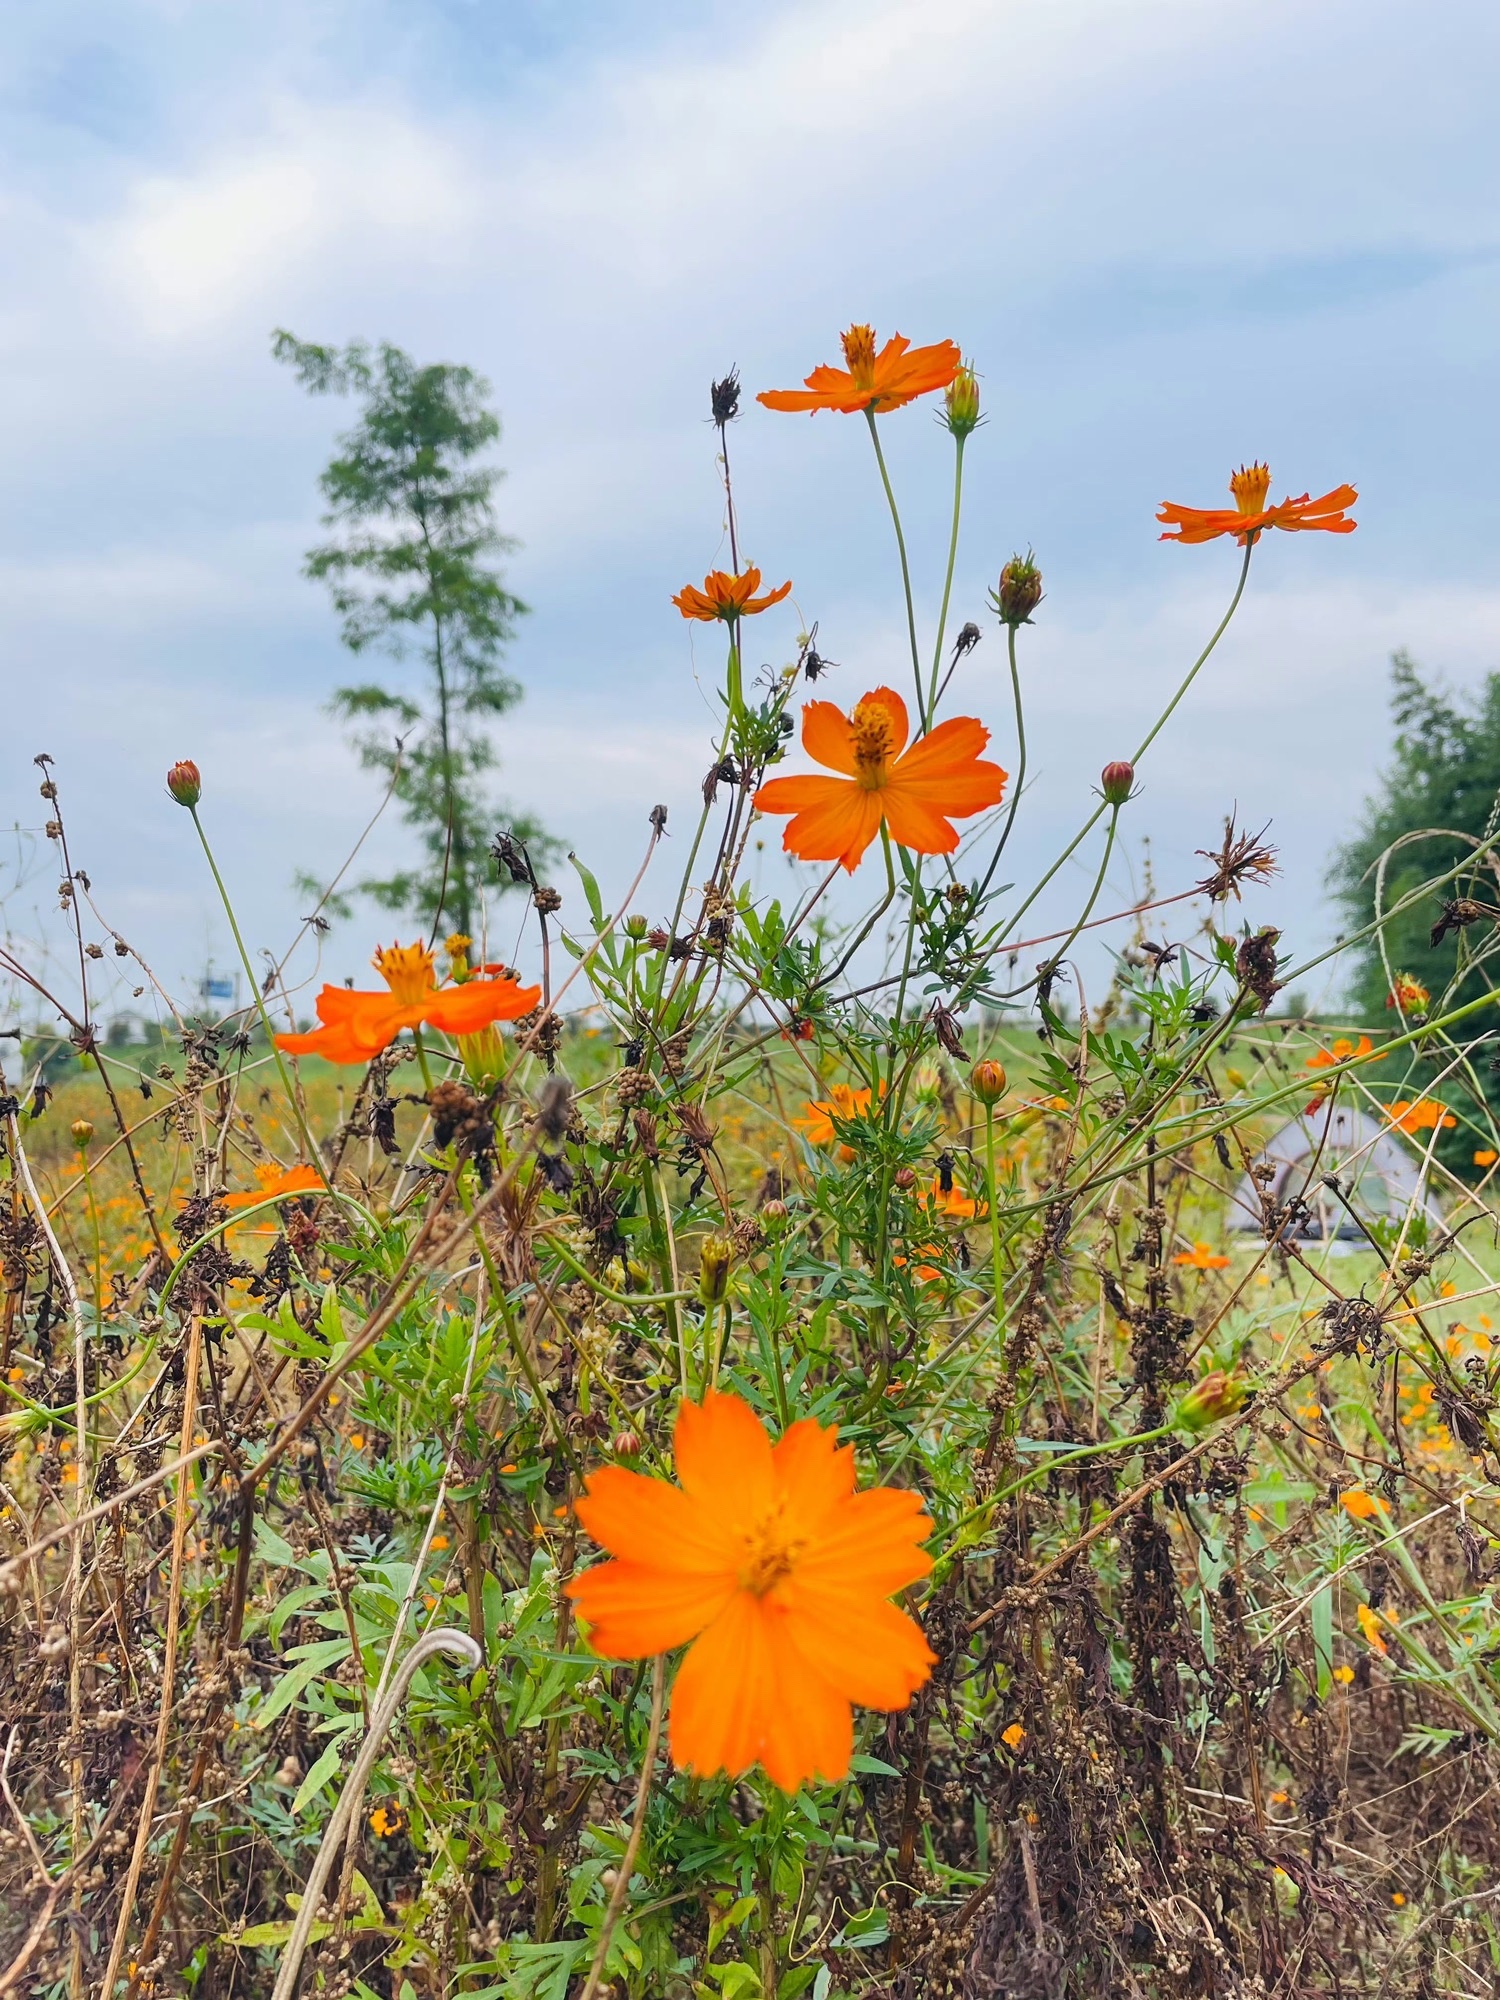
(998,937)
(911,616)
(958,492)
(1019,780)
(991,1190)
(310,1145)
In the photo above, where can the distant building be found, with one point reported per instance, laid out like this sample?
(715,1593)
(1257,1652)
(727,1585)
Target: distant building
(1377,1173)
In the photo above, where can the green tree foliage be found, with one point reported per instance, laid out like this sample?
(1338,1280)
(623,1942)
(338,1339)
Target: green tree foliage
(1443,783)
(413,572)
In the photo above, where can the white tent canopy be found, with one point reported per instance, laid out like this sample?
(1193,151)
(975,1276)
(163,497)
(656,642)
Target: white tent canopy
(1378,1174)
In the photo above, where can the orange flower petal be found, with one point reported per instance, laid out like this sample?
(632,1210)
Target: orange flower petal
(837,822)
(724,1460)
(917,825)
(650,1522)
(826,736)
(743,1697)
(872,1541)
(866,1650)
(464,1010)
(813,1471)
(635,1609)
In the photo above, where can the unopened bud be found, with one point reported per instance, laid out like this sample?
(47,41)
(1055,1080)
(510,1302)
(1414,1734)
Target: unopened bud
(185,783)
(635,927)
(1115,781)
(714,1260)
(82,1132)
(905,1178)
(1210,1401)
(626,1444)
(988,1081)
(1020,590)
(773,1216)
(962,402)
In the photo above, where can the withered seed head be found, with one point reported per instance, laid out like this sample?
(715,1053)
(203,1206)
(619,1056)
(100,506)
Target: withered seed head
(554,1104)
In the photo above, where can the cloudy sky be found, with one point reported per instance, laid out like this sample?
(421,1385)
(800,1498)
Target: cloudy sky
(1172,236)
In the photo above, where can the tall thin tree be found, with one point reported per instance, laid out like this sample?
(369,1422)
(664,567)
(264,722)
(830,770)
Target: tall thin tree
(414,570)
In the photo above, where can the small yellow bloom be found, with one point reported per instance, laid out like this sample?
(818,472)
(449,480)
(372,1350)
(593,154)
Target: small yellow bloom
(439,1541)
(1344,1674)
(1369,1624)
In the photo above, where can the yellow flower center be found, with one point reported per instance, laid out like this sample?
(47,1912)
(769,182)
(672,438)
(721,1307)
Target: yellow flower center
(408,970)
(859,352)
(874,731)
(1250,486)
(770,1553)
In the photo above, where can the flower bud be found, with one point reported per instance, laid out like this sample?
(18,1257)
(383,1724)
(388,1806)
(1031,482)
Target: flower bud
(82,1132)
(988,1081)
(626,1444)
(962,402)
(635,927)
(457,948)
(1208,1402)
(714,1260)
(905,1178)
(185,783)
(1020,590)
(1115,781)
(773,1217)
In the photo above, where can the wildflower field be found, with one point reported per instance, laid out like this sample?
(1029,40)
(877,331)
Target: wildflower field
(763,1451)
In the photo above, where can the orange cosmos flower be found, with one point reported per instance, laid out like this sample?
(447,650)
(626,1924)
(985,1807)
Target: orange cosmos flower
(1251,487)
(915,791)
(1425,1114)
(1486,1157)
(1369,1624)
(897,374)
(357,1026)
(842,1103)
(280,1182)
(778,1572)
(1359,1505)
(725,596)
(1201,1258)
(1343,1050)
(954,1202)
(1409,994)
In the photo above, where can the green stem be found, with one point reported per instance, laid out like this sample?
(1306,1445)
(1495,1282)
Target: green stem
(1020,777)
(310,1146)
(999,936)
(958,490)
(989,1179)
(1047,1468)
(911,616)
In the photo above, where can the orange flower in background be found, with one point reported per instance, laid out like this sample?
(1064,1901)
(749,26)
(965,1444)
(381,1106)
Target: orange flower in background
(1201,1258)
(1343,1050)
(954,1202)
(725,596)
(1409,994)
(359,1025)
(1486,1156)
(778,1572)
(1359,1505)
(1369,1624)
(898,374)
(279,1183)
(842,1103)
(1425,1114)
(915,791)
(1251,487)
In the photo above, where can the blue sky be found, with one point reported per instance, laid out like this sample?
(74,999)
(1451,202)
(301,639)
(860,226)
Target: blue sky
(1172,236)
